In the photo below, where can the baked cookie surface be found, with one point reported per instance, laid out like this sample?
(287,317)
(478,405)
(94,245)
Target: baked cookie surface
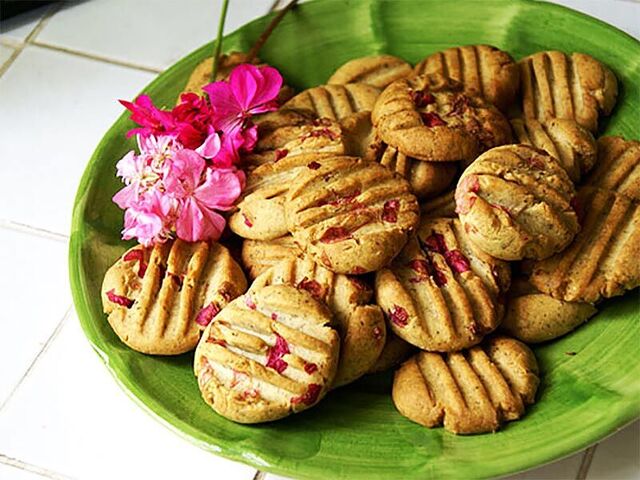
(618,166)
(349,215)
(441,206)
(268,354)
(158,299)
(395,351)
(335,102)
(515,202)
(258,256)
(376,70)
(482,69)
(441,293)
(468,392)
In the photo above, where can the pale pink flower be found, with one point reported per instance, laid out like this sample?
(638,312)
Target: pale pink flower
(149,219)
(138,176)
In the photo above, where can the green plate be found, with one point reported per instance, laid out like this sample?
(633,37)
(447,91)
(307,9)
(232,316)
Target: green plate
(356,432)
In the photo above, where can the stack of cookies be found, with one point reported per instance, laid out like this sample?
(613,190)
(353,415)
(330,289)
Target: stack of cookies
(441,215)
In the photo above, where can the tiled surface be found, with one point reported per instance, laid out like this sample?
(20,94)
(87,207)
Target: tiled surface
(67,416)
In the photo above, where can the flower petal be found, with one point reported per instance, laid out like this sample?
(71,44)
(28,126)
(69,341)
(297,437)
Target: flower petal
(220,190)
(210,147)
(196,222)
(245,81)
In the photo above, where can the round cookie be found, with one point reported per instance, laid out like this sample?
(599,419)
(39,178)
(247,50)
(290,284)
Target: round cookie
(515,202)
(394,352)
(430,118)
(335,102)
(360,324)
(258,256)
(441,206)
(482,69)
(535,317)
(441,293)
(267,355)
(376,70)
(349,215)
(158,299)
(618,167)
(569,143)
(577,87)
(473,391)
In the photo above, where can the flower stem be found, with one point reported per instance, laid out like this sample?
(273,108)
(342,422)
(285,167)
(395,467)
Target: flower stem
(264,36)
(216,53)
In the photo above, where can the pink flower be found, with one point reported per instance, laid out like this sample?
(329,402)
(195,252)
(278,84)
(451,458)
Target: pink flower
(149,219)
(138,177)
(152,120)
(192,118)
(250,90)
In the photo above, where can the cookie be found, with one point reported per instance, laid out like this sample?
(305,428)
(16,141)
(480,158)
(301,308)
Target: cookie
(258,256)
(394,352)
(468,392)
(376,70)
(267,355)
(359,135)
(482,69)
(515,202)
(158,299)
(441,293)
(535,317)
(618,166)
(572,145)
(360,324)
(427,179)
(335,102)
(350,215)
(577,87)
(602,261)
(441,206)
(430,118)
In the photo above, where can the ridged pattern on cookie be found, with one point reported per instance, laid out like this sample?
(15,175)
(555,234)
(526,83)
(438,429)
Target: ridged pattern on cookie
(473,391)
(572,145)
(360,324)
(349,215)
(482,69)
(153,296)
(335,101)
(577,87)
(442,293)
(515,202)
(441,206)
(618,166)
(259,255)
(376,70)
(268,354)
(602,261)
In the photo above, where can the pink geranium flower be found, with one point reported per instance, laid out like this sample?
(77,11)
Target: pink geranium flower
(152,120)
(149,219)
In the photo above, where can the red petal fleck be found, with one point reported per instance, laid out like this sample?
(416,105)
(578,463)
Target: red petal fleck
(463,196)
(217,341)
(473,328)
(280,154)
(137,254)
(421,98)
(312,286)
(399,316)
(119,299)
(377,333)
(335,234)
(248,301)
(310,368)
(275,354)
(344,200)
(432,119)
(420,266)
(247,222)
(390,211)
(205,315)
(324,258)
(357,270)
(321,122)
(250,394)
(274,316)
(457,261)
(359,284)
(314,165)
(435,243)
(320,132)
(459,106)
(309,397)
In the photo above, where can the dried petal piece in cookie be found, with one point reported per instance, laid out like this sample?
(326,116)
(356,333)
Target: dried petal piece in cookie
(618,166)
(376,70)
(268,354)
(472,391)
(258,256)
(335,101)
(516,202)
(350,215)
(158,299)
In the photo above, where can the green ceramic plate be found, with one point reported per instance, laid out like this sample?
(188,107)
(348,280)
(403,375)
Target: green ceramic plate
(356,432)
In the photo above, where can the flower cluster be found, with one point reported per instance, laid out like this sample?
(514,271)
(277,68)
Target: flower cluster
(186,170)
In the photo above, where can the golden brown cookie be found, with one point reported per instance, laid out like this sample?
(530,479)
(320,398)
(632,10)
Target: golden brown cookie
(441,293)
(602,261)
(473,391)
(335,101)
(359,135)
(268,354)
(395,351)
(376,70)
(258,256)
(515,202)
(429,118)
(577,87)
(572,145)
(535,317)
(442,206)
(360,324)
(618,166)
(482,69)
(350,215)
(158,299)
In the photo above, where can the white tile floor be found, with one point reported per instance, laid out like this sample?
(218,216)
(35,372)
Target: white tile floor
(69,61)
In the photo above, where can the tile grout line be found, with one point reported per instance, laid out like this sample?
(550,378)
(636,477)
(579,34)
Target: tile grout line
(260,475)
(585,464)
(19,464)
(44,348)
(35,231)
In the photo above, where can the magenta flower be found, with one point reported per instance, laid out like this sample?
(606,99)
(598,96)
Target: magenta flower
(152,120)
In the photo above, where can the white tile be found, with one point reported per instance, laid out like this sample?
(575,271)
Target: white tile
(71,417)
(146,32)
(620,13)
(5,53)
(16,29)
(618,457)
(8,472)
(35,296)
(55,109)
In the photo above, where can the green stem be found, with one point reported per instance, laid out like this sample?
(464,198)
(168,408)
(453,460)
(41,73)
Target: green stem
(216,54)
